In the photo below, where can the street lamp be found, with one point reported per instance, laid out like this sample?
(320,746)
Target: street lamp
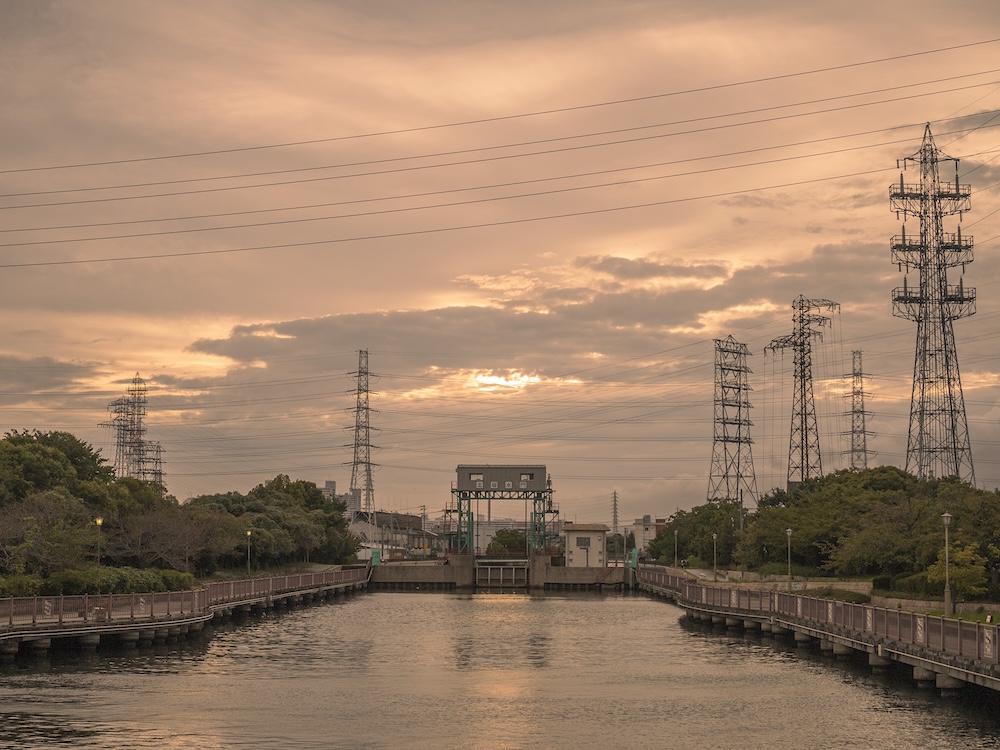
(788,533)
(249,534)
(948,606)
(715,557)
(675,548)
(100,522)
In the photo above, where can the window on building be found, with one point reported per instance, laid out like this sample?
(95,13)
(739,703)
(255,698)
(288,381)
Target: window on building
(583,541)
(493,485)
(527,477)
(508,485)
(475,477)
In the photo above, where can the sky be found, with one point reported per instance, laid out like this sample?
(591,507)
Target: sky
(536,218)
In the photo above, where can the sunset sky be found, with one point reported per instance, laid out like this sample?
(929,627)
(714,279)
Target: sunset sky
(535,217)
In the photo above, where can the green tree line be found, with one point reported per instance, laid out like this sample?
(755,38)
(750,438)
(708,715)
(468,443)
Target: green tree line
(54,488)
(880,523)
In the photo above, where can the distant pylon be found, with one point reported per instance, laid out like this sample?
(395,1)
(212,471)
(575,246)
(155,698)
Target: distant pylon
(859,452)
(614,512)
(804,461)
(938,443)
(135,457)
(732,475)
(362,486)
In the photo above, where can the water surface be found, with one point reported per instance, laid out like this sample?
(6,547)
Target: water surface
(475,671)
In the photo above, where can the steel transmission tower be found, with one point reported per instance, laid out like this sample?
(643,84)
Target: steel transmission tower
(938,442)
(859,452)
(804,460)
(135,456)
(614,512)
(732,475)
(361,467)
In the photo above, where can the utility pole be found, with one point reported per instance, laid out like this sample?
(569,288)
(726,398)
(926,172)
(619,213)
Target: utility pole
(938,443)
(804,461)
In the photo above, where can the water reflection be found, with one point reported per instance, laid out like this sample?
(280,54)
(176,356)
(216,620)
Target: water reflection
(473,671)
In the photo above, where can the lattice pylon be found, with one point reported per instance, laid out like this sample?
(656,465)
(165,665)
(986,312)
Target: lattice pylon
(361,466)
(938,443)
(804,459)
(859,452)
(135,457)
(732,475)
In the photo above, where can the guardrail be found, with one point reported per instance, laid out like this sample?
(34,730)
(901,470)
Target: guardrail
(941,635)
(60,610)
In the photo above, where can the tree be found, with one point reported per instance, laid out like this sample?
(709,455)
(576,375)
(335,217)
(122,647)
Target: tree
(508,541)
(27,466)
(966,571)
(694,533)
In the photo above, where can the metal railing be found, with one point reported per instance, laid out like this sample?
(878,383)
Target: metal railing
(90,608)
(942,635)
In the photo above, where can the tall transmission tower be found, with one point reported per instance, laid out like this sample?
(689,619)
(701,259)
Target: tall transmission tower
(732,475)
(362,486)
(859,452)
(804,461)
(938,442)
(135,456)
(614,512)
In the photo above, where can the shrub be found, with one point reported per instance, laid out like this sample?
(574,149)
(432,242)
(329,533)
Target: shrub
(175,580)
(882,583)
(917,583)
(71,582)
(20,585)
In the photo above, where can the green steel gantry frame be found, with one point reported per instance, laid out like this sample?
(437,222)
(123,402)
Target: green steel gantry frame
(541,510)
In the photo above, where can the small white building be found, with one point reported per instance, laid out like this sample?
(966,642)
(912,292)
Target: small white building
(586,545)
(645,530)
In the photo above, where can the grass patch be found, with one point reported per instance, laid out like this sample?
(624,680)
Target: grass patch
(838,595)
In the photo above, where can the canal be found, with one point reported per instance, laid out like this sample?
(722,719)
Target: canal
(445,671)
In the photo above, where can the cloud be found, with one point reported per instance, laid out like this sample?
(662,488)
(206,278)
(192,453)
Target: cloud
(535,218)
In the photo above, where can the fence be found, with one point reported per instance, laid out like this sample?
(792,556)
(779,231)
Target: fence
(941,635)
(60,610)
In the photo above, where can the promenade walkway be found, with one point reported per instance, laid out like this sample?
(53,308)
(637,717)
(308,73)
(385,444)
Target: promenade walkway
(31,623)
(944,651)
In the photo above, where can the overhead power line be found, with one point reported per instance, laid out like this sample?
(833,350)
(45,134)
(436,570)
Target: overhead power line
(503,118)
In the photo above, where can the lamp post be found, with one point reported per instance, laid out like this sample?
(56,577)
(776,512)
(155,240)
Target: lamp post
(715,557)
(675,548)
(948,605)
(249,534)
(788,533)
(99,522)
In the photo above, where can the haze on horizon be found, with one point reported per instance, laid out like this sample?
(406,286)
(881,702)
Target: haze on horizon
(535,217)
